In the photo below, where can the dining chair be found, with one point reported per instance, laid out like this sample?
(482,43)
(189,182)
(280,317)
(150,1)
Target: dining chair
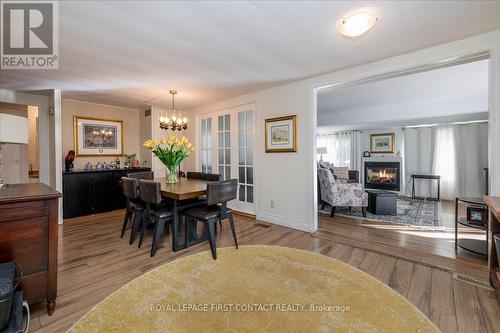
(205,176)
(218,195)
(160,215)
(135,207)
(148,175)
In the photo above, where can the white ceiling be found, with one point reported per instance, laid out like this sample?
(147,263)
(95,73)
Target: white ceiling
(456,93)
(127,52)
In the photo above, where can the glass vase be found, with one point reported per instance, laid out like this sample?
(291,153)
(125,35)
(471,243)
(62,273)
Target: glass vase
(172,176)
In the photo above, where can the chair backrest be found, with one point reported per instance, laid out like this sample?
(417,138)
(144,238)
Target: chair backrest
(149,191)
(205,176)
(130,188)
(326,183)
(194,175)
(149,175)
(221,191)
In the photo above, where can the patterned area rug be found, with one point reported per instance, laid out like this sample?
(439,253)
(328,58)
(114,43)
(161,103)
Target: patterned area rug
(255,289)
(411,212)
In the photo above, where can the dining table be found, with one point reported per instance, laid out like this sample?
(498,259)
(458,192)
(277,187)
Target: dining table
(184,189)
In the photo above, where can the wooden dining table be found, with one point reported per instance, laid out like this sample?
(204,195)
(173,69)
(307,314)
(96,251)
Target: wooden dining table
(186,188)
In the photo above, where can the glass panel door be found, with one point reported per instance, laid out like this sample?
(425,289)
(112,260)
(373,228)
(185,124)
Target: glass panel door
(206,145)
(224,145)
(245,156)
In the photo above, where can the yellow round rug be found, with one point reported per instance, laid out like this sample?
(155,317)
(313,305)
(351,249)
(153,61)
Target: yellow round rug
(255,289)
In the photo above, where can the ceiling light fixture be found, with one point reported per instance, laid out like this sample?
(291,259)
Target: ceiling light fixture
(356,26)
(173,121)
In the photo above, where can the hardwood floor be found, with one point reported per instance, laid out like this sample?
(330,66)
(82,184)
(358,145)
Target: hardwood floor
(434,248)
(94,262)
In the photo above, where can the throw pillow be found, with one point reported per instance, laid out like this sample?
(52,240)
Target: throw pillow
(341,172)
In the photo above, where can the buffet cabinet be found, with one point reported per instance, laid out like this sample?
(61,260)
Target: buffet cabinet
(28,237)
(91,192)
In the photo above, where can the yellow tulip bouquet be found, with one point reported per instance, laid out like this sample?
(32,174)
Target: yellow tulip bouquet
(171,151)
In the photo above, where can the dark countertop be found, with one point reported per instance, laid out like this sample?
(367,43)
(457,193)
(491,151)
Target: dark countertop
(107,170)
(27,192)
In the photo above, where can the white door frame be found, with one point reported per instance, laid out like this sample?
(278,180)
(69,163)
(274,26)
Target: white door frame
(493,54)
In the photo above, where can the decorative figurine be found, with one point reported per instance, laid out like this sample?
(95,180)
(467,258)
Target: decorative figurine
(117,162)
(68,160)
(129,159)
(88,166)
(136,163)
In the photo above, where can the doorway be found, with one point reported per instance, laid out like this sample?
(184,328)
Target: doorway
(417,143)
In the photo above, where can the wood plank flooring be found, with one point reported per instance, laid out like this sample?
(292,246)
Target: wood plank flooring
(94,262)
(434,248)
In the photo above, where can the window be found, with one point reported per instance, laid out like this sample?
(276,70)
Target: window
(245,156)
(206,145)
(224,145)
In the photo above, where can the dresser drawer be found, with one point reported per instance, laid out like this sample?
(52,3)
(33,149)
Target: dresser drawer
(26,242)
(23,210)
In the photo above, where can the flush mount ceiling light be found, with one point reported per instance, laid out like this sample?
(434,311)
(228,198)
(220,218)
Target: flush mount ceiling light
(356,26)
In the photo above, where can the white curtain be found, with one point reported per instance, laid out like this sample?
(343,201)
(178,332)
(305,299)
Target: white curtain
(458,153)
(342,148)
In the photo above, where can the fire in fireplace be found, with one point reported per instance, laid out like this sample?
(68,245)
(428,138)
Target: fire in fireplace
(382,175)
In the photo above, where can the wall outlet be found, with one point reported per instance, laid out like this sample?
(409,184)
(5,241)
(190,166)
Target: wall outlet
(273,204)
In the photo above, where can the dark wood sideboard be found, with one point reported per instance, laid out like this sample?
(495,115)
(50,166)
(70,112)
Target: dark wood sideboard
(96,191)
(28,236)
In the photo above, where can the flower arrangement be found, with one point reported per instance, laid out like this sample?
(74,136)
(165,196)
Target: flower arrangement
(171,151)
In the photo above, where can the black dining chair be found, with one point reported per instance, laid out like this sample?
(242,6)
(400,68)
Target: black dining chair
(160,215)
(218,195)
(205,176)
(148,175)
(135,207)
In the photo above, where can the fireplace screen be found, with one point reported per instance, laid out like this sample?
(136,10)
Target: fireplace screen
(382,175)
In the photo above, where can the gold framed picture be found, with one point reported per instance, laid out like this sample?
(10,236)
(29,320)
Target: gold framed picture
(97,137)
(281,134)
(382,143)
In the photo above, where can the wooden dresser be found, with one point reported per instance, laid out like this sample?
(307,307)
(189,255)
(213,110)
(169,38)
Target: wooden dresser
(28,236)
(494,228)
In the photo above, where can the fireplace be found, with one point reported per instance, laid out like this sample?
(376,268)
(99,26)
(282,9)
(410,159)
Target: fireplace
(382,175)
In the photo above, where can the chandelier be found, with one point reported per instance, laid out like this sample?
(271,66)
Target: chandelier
(173,120)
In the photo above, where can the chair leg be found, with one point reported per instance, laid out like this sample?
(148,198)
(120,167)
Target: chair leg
(128,215)
(322,206)
(233,230)
(363,210)
(211,238)
(144,224)
(333,211)
(135,225)
(220,224)
(159,226)
(187,231)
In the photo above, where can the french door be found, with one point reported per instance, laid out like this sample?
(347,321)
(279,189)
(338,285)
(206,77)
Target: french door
(226,141)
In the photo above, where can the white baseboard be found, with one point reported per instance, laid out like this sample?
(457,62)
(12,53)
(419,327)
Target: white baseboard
(284,221)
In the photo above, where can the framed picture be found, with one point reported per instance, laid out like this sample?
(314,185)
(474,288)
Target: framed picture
(281,134)
(97,137)
(382,143)
(477,215)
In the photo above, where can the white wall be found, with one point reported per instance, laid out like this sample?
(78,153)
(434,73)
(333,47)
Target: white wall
(289,178)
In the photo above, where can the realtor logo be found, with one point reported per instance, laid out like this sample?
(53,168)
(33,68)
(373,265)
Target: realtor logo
(29,35)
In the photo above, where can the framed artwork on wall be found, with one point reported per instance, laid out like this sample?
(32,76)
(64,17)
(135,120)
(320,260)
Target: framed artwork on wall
(281,134)
(382,143)
(97,137)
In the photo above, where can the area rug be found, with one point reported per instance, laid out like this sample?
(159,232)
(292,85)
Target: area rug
(417,213)
(255,289)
